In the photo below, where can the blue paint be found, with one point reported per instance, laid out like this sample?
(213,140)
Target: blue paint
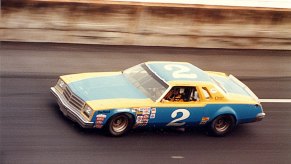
(243,113)
(167,75)
(107,87)
(163,116)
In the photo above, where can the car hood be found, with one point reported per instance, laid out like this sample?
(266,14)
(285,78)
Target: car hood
(106,86)
(118,103)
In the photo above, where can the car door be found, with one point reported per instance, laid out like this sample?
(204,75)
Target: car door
(177,113)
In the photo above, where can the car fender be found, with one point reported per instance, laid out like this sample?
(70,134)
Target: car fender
(130,112)
(225,110)
(101,117)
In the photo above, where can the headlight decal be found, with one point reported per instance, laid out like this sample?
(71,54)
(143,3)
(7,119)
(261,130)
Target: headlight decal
(99,120)
(88,111)
(61,84)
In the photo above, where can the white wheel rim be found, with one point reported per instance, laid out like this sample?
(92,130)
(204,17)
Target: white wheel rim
(222,125)
(119,124)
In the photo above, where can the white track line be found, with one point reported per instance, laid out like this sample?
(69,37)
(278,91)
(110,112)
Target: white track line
(276,100)
(177,157)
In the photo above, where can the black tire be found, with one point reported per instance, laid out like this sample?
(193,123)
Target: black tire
(222,125)
(119,124)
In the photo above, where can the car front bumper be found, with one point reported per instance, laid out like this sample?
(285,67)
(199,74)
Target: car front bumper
(70,111)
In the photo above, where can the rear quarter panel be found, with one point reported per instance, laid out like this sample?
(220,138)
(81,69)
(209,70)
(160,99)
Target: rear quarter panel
(243,112)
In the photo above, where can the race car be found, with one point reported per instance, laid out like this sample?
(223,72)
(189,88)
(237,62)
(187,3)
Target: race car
(157,94)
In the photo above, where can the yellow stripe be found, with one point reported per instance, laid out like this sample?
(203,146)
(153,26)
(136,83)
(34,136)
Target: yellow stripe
(222,74)
(132,103)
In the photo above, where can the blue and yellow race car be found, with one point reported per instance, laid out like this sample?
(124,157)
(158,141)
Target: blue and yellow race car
(156,94)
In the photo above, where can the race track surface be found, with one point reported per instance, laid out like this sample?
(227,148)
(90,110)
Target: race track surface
(33,130)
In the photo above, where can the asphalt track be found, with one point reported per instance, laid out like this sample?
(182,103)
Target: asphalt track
(33,130)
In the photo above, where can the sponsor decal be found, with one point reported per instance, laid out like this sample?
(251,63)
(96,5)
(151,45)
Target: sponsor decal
(145,121)
(213,90)
(101,115)
(146,116)
(204,120)
(104,111)
(146,111)
(99,120)
(218,98)
(135,109)
(138,113)
(143,114)
(139,119)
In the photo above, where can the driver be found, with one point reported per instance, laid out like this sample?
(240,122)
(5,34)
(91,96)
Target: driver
(176,94)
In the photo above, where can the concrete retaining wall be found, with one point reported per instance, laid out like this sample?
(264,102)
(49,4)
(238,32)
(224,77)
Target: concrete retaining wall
(146,24)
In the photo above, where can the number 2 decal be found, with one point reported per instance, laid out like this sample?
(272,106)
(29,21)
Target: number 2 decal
(182,72)
(185,115)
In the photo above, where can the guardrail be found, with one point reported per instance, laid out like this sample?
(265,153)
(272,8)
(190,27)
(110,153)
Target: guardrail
(146,24)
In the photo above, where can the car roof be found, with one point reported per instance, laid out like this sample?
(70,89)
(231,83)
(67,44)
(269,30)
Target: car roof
(178,72)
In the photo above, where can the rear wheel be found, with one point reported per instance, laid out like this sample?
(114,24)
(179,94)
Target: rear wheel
(119,124)
(222,125)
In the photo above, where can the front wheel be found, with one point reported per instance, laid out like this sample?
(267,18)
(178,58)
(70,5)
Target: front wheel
(222,125)
(119,124)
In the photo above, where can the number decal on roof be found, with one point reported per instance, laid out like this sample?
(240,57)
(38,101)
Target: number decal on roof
(182,72)
(185,115)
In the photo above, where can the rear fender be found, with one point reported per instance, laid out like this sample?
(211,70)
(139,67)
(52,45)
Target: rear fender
(226,110)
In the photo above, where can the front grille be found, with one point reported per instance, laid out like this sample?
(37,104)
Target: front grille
(86,114)
(67,93)
(73,99)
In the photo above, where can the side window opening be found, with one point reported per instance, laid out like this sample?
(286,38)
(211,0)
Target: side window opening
(192,94)
(206,93)
(181,94)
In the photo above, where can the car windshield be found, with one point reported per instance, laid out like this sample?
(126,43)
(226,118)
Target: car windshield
(146,81)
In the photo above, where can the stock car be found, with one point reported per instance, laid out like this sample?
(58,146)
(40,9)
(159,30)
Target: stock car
(157,94)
